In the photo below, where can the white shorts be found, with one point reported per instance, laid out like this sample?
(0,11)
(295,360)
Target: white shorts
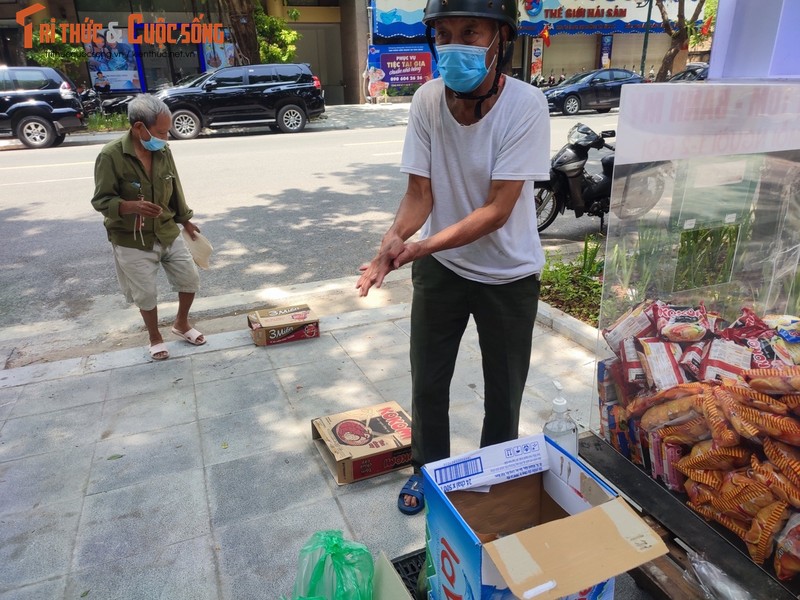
(137,270)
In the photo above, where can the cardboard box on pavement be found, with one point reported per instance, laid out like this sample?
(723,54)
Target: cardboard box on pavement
(365,442)
(282,324)
(547,528)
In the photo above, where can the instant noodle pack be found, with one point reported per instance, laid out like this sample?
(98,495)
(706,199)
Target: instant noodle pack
(712,409)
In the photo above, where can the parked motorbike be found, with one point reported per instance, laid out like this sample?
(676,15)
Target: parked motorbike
(91,102)
(572,187)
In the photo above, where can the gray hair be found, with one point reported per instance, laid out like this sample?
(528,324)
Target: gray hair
(146,108)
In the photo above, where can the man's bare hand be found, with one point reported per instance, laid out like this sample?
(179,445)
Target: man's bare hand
(411,252)
(374,272)
(192,229)
(143,208)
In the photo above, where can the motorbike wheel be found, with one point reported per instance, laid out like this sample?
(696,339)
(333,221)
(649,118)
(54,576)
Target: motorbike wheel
(572,104)
(642,196)
(546,208)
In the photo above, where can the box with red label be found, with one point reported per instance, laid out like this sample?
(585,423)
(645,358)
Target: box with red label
(282,324)
(524,519)
(365,442)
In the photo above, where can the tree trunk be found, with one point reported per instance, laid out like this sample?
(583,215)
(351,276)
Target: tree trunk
(239,16)
(677,42)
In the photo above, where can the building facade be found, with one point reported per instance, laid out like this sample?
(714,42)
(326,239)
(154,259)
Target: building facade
(360,49)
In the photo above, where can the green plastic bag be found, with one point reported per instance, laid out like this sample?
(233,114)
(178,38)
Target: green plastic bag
(333,568)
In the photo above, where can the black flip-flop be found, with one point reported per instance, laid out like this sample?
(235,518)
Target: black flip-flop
(413,487)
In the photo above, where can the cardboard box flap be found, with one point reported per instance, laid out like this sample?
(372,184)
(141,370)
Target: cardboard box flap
(321,432)
(562,557)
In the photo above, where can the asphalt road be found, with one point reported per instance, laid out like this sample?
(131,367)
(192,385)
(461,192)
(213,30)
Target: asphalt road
(279,210)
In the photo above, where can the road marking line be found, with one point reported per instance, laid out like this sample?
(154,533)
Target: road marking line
(88,162)
(388,154)
(43,181)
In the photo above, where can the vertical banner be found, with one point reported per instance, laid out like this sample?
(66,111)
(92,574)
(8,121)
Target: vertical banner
(606,42)
(537,48)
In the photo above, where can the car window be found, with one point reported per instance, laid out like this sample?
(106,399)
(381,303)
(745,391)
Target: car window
(602,77)
(5,82)
(288,72)
(619,74)
(230,77)
(30,79)
(261,75)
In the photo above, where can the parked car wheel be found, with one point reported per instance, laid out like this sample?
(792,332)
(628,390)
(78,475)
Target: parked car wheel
(35,132)
(546,208)
(57,140)
(291,119)
(572,104)
(185,125)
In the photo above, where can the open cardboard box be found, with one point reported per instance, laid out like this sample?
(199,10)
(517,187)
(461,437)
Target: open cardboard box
(364,442)
(546,528)
(282,324)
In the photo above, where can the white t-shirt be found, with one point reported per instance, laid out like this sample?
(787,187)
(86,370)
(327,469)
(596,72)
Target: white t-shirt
(511,142)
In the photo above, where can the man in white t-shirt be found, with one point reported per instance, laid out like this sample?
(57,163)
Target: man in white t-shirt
(475,143)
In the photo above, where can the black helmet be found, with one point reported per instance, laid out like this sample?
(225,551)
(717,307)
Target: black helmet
(504,11)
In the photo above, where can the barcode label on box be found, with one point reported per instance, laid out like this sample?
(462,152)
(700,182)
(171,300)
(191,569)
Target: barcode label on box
(459,470)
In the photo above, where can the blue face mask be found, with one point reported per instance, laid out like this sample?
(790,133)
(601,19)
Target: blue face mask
(463,67)
(154,143)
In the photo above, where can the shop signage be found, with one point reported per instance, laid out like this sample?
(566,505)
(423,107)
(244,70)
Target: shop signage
(137,32)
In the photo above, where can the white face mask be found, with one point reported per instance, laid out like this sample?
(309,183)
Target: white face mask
(154,143)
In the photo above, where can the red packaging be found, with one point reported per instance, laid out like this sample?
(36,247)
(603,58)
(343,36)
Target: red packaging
(748,325)
(634,323)
(632,369)
(660,362)
(766,355)
(680,323)
(724,359)
(692,357)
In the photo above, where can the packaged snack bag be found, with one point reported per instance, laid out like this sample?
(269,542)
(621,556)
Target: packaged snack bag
(634,323)
(787,549)
(680,323)
(660,362)
(724,359)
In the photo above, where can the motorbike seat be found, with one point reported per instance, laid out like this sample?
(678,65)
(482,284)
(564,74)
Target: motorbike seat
(608,164)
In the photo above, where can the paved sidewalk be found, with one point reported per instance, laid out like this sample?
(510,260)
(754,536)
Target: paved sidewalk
(343,116)
(196,478)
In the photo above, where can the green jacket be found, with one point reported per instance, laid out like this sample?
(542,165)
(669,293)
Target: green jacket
(119,175)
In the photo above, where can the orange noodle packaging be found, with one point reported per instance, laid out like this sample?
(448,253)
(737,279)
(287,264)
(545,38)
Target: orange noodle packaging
(707,455)
(722,431)
(774,381)
(765,526)
(640,404)
(785,457)
(777,482)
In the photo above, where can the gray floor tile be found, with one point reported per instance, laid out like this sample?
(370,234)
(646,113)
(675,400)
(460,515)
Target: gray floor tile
(37,545)
(39,434)
(387,363)
(124,461)
(258,558)
(262,484)
(320,406)
(8,397)
(59,394)
(332,380)
(155,377)
(148,412)
(43,479)
(326,347)
(142,517)
(225,364)
(373,338)
(226,396)
(272,426)
(47,590)
(397,389)
(366,506)
(182,571)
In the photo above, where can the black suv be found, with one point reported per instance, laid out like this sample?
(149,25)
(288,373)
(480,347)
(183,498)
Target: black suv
(38,105)
(282,96)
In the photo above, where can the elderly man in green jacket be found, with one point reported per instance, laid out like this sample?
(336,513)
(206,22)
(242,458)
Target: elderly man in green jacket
(138,191)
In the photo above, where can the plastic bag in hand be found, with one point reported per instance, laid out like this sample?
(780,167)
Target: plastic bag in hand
(333,568)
